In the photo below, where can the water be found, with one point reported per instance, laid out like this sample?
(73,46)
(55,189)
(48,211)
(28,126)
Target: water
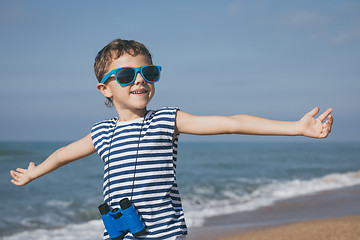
(214,179)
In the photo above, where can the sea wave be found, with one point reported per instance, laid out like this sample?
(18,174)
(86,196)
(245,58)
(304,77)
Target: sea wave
(92,230)
(232,201)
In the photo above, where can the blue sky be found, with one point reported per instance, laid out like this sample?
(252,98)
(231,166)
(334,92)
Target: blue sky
(275,59)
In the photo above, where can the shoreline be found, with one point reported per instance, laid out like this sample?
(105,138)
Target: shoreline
(335,205)
(340,228)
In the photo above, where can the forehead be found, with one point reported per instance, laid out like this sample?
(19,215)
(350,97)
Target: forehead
(127,60)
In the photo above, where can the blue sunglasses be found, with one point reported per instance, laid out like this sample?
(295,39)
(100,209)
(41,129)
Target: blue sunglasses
(127,75)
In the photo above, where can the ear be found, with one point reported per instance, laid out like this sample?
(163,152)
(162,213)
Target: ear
(104,89)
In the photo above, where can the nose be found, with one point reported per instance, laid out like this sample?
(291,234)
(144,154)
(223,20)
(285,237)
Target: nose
(139,79)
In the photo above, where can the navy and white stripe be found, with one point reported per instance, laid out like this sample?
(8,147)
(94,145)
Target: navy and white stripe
(155,193)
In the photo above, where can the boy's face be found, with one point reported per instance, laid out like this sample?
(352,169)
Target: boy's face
(135,96)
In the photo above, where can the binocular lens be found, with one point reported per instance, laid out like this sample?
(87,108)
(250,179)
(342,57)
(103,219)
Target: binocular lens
(104,208)
(125,203)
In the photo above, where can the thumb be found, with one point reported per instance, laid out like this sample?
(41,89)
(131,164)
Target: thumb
(314,111)
(31,165)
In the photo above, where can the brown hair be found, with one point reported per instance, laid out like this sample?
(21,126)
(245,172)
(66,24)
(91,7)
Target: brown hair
(113,51)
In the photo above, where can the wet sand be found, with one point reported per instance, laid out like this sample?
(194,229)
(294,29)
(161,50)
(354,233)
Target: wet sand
(342,228)
(324,215)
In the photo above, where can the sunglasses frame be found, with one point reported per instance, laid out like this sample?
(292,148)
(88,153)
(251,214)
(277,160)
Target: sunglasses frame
(136,69)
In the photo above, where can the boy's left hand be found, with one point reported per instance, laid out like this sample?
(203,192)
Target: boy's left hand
(315,128)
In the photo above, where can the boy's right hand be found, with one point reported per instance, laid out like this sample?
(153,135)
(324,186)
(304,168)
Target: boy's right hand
(72,152)
(22,176)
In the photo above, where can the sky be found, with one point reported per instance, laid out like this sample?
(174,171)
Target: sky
(273,59)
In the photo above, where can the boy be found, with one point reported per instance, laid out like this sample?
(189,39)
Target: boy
(139,147)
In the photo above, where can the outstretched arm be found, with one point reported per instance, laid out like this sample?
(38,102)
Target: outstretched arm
(245,124)
(59,158)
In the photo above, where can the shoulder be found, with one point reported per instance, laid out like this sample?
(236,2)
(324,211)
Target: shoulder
(105,124)
(164,112)
(163,120)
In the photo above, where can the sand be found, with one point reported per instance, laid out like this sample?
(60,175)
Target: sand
(343,228)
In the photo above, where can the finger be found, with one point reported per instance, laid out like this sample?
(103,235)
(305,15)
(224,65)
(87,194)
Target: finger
(326,129)
(12,172)
(16,182)
(15,175)
(329,125)
(16,179)
(314,111)
(323,116)
(324,134)
(21,170)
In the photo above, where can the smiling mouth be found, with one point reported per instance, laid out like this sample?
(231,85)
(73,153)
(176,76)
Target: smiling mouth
(139,92)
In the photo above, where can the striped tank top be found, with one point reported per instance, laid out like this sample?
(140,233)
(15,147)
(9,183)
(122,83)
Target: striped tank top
(154,189)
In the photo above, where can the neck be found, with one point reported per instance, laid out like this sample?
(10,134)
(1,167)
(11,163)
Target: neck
(127,115)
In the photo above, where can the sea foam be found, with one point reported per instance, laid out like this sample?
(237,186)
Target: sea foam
(92,230)
(263,196)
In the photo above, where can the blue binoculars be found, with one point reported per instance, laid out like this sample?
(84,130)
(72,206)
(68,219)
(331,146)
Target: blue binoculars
(119,222)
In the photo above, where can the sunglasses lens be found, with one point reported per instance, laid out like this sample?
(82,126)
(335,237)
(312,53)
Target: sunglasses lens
(125,75)
(151,73)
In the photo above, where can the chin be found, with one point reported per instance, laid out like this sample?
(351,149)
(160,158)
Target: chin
(141,105)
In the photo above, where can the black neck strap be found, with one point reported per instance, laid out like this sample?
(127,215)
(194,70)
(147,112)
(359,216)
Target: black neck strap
(137,152)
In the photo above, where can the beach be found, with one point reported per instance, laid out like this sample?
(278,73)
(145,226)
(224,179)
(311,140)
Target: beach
(226,189)
(333,214)
(342,228)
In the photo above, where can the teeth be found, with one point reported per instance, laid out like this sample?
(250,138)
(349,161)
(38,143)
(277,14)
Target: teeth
(139,92)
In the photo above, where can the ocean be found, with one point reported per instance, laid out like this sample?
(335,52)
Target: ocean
(214,178)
